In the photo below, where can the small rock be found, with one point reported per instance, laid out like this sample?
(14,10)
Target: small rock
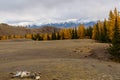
(37,77)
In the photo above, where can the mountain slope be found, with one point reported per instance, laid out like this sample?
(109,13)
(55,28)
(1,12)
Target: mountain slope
(65,24)
(6,29)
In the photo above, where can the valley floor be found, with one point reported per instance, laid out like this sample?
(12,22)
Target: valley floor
(82,59)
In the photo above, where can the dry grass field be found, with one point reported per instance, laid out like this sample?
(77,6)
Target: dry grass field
(83,59)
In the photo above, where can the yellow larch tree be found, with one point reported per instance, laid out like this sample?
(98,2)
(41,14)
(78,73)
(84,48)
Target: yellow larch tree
(81,31)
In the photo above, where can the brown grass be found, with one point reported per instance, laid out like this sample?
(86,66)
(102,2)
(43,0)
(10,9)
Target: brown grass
(63,60)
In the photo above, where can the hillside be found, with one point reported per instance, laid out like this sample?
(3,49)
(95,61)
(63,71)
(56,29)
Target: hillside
(6,29)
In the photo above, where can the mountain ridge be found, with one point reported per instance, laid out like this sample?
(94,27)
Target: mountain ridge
(65,24)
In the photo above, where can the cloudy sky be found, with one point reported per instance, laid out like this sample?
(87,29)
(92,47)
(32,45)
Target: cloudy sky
(47,11)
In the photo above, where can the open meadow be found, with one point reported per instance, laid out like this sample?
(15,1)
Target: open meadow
(82,59)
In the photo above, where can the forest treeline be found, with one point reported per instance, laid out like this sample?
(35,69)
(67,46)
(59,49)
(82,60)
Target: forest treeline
(79,32)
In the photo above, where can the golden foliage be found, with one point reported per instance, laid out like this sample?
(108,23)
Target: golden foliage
(28,36)
(81,32)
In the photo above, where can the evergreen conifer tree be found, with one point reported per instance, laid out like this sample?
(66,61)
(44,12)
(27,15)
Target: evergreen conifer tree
(115,47)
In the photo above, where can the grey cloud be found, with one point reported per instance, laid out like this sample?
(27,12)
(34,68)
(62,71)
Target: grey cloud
(33,10)
(18,21)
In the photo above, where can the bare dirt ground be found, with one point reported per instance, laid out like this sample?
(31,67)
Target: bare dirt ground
(83,59)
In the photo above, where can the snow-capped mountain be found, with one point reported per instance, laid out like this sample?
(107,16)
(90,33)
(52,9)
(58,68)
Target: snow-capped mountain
(65,24)
(55,23)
